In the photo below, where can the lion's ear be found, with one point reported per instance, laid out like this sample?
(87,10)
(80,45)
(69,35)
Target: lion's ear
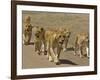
(57,36)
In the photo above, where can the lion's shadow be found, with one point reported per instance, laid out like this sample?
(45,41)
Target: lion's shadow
(65,61)
(31,43)
(70,49)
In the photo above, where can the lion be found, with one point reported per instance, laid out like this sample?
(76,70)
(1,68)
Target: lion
(81,45)
(54,41)
(39,39)
(67,33)
(27,34)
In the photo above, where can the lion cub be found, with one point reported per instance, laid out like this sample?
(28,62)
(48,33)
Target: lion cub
(82,44)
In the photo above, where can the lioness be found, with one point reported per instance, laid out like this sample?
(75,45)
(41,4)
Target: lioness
(67,33)
(81,45)
(27,30)
(39,39)
(54,40)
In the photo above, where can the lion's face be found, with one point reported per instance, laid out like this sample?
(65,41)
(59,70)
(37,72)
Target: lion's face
(66,32)
(39,31)
(60,38)
(63,34)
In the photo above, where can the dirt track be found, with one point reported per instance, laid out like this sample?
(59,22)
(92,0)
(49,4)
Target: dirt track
(33,60)
(76,22)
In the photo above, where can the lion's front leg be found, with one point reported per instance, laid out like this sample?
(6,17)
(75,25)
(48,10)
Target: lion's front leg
(27,37)
(54,56)
(45,47)
(58,51)
(49,54)
(58,54)
(87,51)
(23,39)
(76,49)
(65,44)
(80,51)
(38,45)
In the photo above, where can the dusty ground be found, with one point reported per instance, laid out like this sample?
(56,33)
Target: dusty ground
(76,22)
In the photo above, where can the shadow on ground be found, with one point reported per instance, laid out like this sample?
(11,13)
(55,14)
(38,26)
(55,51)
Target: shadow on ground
(70,49)
(65,61)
